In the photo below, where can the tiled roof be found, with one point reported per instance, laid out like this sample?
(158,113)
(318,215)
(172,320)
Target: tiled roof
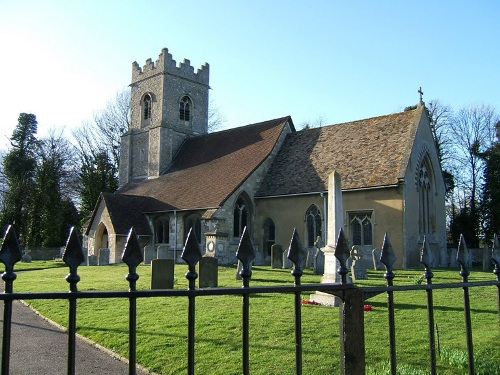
(208,168)
(127,210)
(366,153)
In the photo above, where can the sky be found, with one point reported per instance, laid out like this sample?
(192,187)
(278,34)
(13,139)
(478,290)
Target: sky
(336,60)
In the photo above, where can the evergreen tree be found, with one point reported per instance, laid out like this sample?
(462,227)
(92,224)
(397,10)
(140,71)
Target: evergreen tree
(491,189)
(19,166)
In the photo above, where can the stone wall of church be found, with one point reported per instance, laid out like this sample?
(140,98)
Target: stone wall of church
(249,187)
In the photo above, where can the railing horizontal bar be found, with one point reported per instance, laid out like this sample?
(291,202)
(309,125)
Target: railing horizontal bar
(335,289)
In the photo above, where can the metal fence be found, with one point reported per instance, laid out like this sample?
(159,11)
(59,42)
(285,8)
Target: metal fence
(352,297)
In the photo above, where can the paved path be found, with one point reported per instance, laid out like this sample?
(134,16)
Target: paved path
(39,347)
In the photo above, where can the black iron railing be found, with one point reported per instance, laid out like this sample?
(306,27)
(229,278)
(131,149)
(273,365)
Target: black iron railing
(352,297)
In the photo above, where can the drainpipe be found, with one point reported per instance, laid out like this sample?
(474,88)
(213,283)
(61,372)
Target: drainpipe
(325,215)
(175,236)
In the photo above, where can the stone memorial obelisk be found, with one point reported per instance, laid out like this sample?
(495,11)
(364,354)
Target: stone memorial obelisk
(335,223)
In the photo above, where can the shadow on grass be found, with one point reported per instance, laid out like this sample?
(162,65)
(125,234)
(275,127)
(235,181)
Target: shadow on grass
(410,306)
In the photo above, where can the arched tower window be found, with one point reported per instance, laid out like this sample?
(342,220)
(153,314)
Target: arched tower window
(241,215)
(185,109)
(269,236)
(425,197)
(146,113)
(313,224)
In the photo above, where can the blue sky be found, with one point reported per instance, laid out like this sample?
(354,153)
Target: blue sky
(339,60)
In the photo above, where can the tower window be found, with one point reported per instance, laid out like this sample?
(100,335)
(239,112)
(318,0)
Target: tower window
(185,109)
(147,107)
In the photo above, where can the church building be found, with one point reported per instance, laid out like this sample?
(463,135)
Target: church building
(267,176)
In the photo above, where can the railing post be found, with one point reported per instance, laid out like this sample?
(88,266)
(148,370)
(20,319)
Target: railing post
(73,257)
(191,255)
(297,255)
(352,334)
(10,254)
(463,255)
(351,317)
(495,257)
(426,260)
(246,254)
(132,257)
(387,257)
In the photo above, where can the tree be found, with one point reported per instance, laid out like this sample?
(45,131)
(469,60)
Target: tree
(491,189)
(472,131)
(215,118)
(50,213)
(19,168)
(98,151)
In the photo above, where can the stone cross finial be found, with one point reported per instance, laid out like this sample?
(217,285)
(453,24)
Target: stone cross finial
(421,95)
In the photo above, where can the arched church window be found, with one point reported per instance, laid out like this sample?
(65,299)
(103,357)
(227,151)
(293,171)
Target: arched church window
(185,108)
(425,188)
(241,215)
(146,107)
(313,224)
(361,228)
(269,235)
(192,221)
(159,232)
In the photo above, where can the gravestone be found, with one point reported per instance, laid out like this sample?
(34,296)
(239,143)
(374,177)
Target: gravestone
(103,259)
(358,269)
(149,254)
(453,258)
(238,269)
(311,253)
(85,257)
(162,252)
(287,263)
(377,265)
(208,272)
(92,260)
(486,258)
(319,262)
(276,256)
(162,273)
(26,258)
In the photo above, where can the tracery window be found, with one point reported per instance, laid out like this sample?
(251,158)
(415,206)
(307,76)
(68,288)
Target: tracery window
(162,232)
(193,221)
(241,215)
(313,224)
(185,109)
(269,236)
(361,228)
(424,197)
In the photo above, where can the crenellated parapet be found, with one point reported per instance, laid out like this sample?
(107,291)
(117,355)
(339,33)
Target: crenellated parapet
(167,65)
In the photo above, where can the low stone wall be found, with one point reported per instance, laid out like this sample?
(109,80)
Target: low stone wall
(44,253)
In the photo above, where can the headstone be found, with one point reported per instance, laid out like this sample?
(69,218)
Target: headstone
(208,272)
(85,256)
(276,256)
(103,259)
(319,262)
(92,260)
(26,258)
(311,253)
(238,269)
(287,263)
(162,273)
(358,269)
(486,258)
(149,254)
(162,252)
(377,265)
(453,258)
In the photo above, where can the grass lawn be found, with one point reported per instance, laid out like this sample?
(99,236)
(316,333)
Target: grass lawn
(162,323)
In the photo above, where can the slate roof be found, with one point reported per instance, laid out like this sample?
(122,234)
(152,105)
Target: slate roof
(367,153)
(209,168)
(127,210)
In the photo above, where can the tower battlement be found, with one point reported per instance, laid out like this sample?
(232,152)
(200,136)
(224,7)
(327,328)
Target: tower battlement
(166,65)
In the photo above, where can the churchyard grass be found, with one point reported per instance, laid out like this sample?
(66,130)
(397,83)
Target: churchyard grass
(162,323)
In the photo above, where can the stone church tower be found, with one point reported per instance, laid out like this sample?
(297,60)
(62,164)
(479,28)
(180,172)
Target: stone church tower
(168,103)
